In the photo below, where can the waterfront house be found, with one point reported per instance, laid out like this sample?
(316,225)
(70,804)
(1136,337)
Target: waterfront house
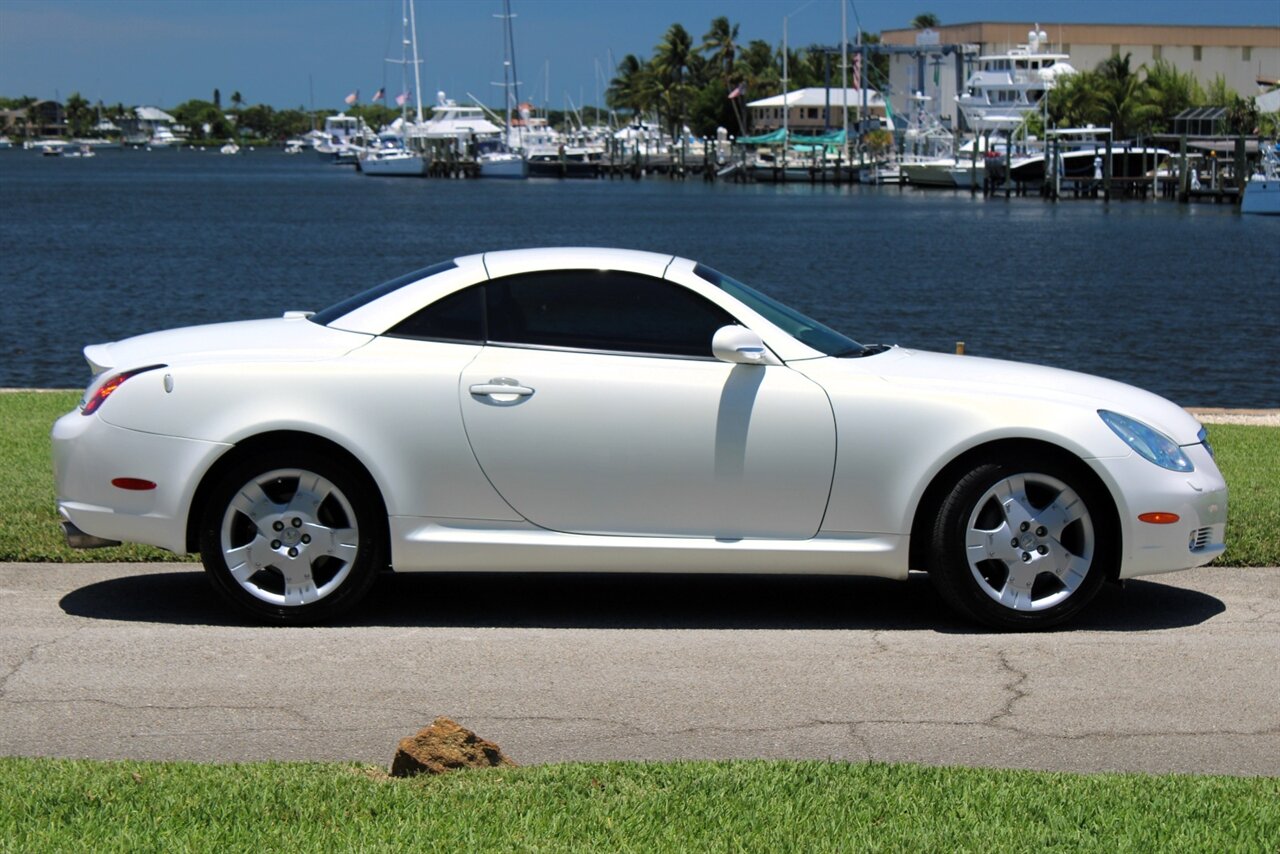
(814,110)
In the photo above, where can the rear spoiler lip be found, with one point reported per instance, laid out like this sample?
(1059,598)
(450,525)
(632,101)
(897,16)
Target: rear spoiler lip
(99,358)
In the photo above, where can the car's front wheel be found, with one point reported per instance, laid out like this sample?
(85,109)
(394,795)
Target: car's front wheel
(1023,543)
(292,537)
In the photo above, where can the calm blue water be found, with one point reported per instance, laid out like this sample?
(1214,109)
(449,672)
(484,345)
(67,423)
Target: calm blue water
(1183,300)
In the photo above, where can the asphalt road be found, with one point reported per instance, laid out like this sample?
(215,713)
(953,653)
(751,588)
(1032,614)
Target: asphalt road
(1180,673)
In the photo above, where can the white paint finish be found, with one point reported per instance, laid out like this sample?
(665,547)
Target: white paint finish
(451,545)
(649,460)
(619,444)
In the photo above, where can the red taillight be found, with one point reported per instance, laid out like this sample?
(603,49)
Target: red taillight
(1158,518)
(134,483)
(102,392)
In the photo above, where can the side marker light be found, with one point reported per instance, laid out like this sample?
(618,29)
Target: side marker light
(135,483)
(1158,518)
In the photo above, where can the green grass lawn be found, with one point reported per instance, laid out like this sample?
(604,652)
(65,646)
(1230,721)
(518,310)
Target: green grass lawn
(1249,458)
(62,805)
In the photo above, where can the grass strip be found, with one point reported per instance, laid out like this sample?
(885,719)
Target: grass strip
(1249,457)
(65,805)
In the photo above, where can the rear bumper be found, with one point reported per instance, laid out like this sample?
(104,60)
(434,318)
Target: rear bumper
(89,453)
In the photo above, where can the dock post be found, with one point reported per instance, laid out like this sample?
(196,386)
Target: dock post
(973,163)
(1106,172)
(1184,179)
(1241,168)
(1008,165)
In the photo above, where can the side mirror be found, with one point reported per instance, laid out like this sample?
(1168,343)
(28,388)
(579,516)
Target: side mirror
(740,346)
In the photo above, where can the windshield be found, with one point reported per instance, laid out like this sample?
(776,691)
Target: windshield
(820,337)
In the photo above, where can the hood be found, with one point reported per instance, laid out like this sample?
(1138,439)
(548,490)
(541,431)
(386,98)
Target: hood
(995,377)
(290,338)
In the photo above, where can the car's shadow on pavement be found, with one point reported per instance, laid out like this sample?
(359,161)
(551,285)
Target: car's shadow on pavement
(603,601)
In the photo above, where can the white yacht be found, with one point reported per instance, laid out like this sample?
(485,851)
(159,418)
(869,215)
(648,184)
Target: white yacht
(230,148)
(1006,86)
(343,138)
(163,137)
(392,160)
(457,122)
(1262,190)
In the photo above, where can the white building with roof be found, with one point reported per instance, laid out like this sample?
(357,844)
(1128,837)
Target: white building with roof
(814,110)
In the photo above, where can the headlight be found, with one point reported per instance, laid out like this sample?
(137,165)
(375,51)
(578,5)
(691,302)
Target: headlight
(1203,436)
(1147,441)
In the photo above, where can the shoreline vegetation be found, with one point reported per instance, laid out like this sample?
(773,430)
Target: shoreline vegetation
(706,84)
(1248,455)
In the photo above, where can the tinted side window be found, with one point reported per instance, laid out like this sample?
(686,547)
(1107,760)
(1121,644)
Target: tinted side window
(602,310)
(457,317)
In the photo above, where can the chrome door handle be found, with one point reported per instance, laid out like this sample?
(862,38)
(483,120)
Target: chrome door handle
(501,385)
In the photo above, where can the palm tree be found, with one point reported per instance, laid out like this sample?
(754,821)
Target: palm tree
(670,66)
(236,100)
(632,89)
(721,46)
(1124,97)
(924,21)
(1171,91)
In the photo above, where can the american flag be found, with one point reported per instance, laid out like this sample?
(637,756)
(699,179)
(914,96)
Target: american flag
(352,98)
(401,99)
(857,70)
(737,92)
(379,95)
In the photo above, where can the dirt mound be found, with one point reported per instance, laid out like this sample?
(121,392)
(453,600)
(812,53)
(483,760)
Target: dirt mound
(445,746)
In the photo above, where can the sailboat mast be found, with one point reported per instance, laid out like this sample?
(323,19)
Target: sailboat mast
(417,81)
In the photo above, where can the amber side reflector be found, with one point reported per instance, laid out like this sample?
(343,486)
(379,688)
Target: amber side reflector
(1158,518)
(135,483)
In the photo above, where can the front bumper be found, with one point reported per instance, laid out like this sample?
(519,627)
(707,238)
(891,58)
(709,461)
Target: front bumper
(1199,498)
(89,453)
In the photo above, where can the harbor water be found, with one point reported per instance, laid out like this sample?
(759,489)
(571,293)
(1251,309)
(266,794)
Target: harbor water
(1183,300)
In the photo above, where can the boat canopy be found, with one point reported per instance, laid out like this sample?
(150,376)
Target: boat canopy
(780,136)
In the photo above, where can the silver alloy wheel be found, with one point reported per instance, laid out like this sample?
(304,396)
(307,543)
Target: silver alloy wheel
(289,537)
(1029,542)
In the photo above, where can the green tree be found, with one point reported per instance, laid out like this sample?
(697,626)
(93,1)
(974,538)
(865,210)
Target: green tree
(720,44)
(632,88)
(1170,92)
(1125,100)
(236,100)
(670,65)
(924,21)
(79,115)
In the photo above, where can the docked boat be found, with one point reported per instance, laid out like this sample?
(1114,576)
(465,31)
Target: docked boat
(392,160)
(163,137)
(229,148)
(499,163)
(1082,153)
(497,158)
(1007,86)
(5,142)
(1262,190)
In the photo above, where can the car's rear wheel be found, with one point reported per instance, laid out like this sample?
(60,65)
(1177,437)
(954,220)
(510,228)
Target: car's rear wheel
(292,537)
(1023,543)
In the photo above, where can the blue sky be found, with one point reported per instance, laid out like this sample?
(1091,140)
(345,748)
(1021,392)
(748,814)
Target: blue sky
(289,53)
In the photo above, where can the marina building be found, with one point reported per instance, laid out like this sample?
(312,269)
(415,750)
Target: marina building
(814,110)
(1247,58)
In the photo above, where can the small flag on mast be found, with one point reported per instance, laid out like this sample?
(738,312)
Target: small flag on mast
(857,71)
(352,98)
(738,90)
(379,95)
(401,99)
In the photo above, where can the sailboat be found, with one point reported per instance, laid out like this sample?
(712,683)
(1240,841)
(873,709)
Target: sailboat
(496,159)
(395,158)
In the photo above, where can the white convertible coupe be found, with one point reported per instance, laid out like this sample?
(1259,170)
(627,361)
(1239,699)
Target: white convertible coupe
(614,411)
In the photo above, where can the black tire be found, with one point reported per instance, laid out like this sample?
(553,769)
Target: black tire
(305,532)
(1023,543)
